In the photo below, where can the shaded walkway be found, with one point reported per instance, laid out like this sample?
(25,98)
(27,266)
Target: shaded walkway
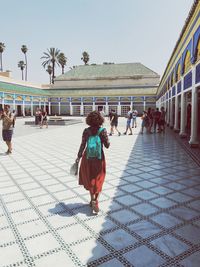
(150,206)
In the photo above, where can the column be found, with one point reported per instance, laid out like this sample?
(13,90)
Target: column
(176,128)
(171,124)
(59,107)
(107,107)
(14,103)
(119,111)
(194,113)
(49,108)
(144,104)
(71,107)
(31,107)
(194,119)
(168,110)
(3,101)
(82,108)
(23,108)
(183,116)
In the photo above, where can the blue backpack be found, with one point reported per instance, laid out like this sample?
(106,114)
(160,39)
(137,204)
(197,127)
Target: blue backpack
(94,146)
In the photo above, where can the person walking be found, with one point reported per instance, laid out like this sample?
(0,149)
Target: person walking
(128,123)
(93,165)
(44,119)
(7,118)
(114,122)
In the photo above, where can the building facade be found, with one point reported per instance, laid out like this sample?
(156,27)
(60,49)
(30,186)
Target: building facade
(179,89)
(84,89)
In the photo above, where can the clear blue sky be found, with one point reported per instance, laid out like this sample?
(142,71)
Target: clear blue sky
(109,30)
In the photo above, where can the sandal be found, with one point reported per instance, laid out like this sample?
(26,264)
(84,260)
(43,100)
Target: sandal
(95,206)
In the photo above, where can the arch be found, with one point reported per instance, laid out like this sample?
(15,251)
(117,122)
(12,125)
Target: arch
(197,52)
(178,72)
(187,62)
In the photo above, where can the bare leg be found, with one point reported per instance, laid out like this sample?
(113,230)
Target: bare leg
(9,145)
(130,130)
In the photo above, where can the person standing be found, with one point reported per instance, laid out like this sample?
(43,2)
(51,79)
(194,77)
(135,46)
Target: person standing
(37,116)
(14,117)
(162,120)
(134,118)
(93,165)
(156,119)
(114,122)
(145,122)
(150,117)
(128,123)
(7,118)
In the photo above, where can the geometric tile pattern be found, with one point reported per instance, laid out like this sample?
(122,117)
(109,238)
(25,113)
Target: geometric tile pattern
(149,208)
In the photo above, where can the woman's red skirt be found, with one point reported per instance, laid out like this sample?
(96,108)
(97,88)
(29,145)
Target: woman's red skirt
(92,173)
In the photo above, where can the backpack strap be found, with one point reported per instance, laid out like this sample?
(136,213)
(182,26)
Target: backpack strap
(100,130)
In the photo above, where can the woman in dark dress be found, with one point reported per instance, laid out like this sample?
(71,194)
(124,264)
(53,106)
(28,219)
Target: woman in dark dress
(93,170)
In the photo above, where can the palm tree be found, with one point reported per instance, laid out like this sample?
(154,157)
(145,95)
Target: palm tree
(49,70)
(24,50)
(62,61)
(51,57)
(2,47)
(22,65)
(85,57)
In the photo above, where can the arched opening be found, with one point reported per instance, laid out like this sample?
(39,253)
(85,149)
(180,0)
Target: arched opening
(178,73)
(197,52)
(187,62)
(172,79)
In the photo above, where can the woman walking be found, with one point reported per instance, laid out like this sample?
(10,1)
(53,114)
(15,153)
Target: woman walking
(44,119)
(93,165)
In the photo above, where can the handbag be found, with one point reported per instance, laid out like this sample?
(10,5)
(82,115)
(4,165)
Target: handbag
(74,169)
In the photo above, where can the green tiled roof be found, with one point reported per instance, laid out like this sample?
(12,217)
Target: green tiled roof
(102,92)
(107,71)
(20,89)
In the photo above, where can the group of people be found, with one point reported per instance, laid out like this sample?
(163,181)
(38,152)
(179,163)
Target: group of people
(153,120)
(131,121)
(41,117)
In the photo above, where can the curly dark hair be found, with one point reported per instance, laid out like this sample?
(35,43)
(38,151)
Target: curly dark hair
(94,119)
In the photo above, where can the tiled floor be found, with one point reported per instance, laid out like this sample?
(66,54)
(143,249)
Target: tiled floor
(150,204)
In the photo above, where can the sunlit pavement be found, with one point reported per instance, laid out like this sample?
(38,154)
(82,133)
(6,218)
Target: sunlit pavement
(150,204)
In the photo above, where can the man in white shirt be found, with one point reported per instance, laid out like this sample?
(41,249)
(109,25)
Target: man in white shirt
(128,123)
(134,118)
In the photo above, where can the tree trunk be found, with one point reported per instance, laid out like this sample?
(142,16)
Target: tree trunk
(1,62)
(22,74)
(63,69)
(53,73)
(26,66)
(50,78)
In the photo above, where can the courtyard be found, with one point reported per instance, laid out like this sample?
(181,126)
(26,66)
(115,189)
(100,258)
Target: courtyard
(149,207)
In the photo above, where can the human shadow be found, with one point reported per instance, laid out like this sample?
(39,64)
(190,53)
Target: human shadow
(3,154)
(72,209)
